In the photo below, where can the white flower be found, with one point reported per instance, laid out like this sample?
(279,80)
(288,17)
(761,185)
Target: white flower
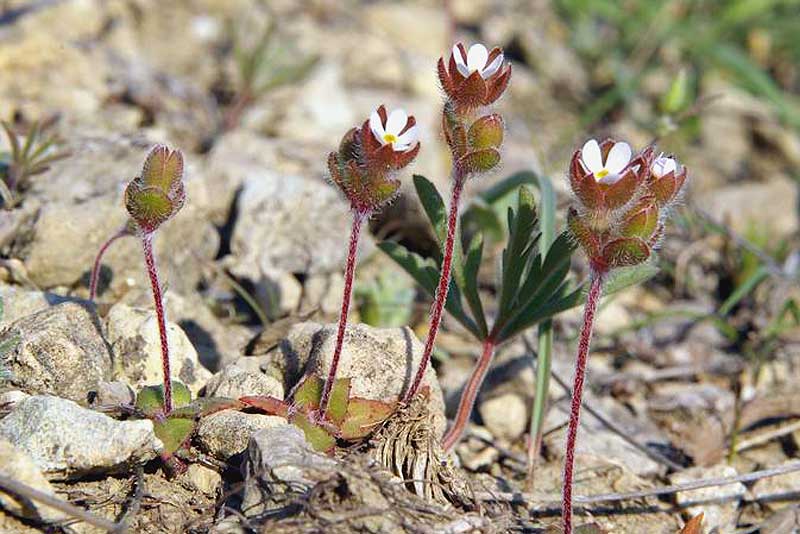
(609,171)
(476,60)
(390,134)
(663,165)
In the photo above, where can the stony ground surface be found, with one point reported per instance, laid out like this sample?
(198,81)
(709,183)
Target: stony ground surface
(680,366)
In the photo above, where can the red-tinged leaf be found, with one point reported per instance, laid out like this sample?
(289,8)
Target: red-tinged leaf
(267,404)
(486,132)
(625,252)
(479,161)
(363,416)
(694,525)
(319,438)
(621,192)
(586,238)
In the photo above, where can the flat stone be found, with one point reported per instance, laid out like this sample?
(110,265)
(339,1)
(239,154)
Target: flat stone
(67,441)
(61,352)
(226,433)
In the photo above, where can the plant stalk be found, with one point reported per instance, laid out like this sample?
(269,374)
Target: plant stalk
(467,402)
(543,364)
(350,268)
(158,297)
(441,290)
(95,278)
(595,289)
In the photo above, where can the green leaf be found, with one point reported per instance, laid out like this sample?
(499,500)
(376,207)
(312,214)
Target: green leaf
(363,415)
(433,205)
(173,433)
(547,213)
(470,283)
(319,438)
(624,278)
(536,312)
(522,225)
(309,394)
(150,399)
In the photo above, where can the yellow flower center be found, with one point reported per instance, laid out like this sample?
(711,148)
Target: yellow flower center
(389,138)
(601,174)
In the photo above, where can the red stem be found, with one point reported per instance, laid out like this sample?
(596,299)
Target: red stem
(349,271)
(97,261)
(452,437)
(158,297)
(577,393)
(441,291)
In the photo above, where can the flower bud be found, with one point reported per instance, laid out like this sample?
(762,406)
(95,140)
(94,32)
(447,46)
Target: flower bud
(486,132)
(158,193)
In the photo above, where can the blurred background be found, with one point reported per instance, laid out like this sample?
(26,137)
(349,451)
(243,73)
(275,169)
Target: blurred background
(258,92)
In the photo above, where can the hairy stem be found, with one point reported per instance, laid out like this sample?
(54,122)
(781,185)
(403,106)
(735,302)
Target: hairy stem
(95,278)
(158,298)
(467,402)
(355,231)
(441,290)
(592,299)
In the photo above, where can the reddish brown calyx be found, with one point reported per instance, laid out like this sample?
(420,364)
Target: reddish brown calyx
(475,78)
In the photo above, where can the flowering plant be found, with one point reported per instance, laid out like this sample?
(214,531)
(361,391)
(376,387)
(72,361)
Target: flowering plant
(618,218)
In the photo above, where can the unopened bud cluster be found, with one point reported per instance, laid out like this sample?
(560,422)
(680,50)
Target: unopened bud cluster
(158,193)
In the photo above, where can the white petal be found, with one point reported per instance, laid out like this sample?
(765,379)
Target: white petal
(461,64)
(409,136)
(618,157)
(493,66)
(591,156)
(397,121)
(376,126)
(662,166)
(477,57)
(400,147)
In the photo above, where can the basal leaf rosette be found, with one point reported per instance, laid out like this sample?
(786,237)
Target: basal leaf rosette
(369,157)
(475,78)
(158,193)
(622,200)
